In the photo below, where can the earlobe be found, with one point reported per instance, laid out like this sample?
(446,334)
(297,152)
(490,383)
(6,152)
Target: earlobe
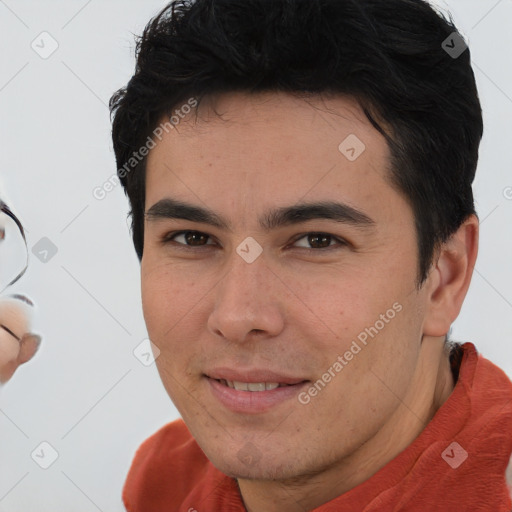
(451,277)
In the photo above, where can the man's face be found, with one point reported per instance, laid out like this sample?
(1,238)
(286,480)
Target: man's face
(321,289)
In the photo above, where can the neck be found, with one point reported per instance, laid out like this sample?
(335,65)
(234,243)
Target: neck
(430,387)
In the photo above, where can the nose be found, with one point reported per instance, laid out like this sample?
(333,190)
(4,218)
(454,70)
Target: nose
(248,302)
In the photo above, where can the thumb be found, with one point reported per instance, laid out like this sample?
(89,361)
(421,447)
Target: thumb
(29,344)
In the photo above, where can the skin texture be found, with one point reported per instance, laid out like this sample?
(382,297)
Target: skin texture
(17,344)
(9,347)
(298,306)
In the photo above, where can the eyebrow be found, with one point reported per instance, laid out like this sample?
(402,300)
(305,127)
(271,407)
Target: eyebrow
(279,217)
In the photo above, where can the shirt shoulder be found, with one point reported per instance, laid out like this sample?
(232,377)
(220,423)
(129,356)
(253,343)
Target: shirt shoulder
(168,443)
(170,472)
(157,465)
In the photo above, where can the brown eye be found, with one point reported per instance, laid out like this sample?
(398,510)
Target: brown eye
(195,238)
(319,241)
(188,238)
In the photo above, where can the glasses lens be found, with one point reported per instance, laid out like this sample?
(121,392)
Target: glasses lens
(13,251)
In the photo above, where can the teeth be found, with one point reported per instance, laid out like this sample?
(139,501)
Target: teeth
(256,386)
(240,386)
(251,386)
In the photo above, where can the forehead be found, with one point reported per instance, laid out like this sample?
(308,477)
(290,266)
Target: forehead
(250,149)
(272,116)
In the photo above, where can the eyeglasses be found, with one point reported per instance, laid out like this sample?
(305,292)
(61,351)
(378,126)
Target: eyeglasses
(13,248)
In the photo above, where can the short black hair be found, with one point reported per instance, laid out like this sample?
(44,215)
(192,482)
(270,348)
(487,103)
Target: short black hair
(392,56)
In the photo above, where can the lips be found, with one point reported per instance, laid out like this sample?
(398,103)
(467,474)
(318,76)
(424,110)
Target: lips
(253,391)
(251,386)
(252,376)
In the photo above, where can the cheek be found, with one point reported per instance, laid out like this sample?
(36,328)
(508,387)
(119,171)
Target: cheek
(347,304)
(171,304)
(164,310)
(371,320)
(167,296)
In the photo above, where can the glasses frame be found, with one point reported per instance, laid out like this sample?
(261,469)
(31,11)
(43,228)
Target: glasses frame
(5,209)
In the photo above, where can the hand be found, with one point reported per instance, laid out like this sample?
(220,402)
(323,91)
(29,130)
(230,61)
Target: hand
(17,344)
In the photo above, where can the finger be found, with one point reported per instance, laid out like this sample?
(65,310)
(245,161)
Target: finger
(29,345)
(7,370)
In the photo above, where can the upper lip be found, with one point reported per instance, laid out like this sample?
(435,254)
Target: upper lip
(252,375)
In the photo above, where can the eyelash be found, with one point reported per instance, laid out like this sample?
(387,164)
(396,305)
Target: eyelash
(169,238)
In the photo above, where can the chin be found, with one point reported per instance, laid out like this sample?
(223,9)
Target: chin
(249,463)
(257,472)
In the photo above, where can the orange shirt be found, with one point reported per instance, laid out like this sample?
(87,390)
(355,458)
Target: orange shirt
(473,428)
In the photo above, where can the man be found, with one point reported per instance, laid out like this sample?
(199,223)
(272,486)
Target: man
(299,174)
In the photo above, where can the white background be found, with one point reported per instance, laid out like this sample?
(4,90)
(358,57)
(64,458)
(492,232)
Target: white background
(85,393)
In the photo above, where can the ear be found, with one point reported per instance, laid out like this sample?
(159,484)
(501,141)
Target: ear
(29,345)
(449,279)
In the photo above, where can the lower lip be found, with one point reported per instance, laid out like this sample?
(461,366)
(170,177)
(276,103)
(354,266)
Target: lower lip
(253,402)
